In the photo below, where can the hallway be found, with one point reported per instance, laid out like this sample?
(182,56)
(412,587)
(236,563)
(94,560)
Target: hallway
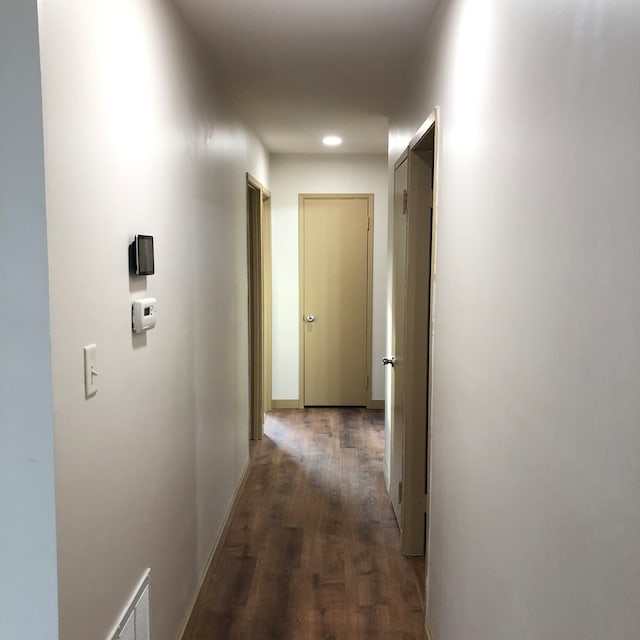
(313,548)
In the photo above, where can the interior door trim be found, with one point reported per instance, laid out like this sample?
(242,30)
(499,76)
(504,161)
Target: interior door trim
(301,310)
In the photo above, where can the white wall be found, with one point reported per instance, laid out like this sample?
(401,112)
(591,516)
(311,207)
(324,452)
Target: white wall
(28,577)
(339,173)
(536,447)
(139,139)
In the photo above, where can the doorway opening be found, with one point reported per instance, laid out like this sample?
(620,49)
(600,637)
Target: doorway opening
(414,280)
(259,270)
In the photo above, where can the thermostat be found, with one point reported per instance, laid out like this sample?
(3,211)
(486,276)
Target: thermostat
(143,314)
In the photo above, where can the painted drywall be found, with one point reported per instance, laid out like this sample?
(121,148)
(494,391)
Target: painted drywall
(139,139)
(536,447)
(290,176)
(28,575)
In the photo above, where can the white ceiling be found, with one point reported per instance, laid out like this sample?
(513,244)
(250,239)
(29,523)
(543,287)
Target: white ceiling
(301,69)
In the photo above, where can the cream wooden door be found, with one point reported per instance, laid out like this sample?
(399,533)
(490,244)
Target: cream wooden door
(398,313)
(336,270)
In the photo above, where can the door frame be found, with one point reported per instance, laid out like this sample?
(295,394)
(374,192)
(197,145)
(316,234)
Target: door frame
(260,314)
(301,310)
(422,156)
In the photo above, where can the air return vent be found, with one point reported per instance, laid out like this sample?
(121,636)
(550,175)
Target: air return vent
(134,622)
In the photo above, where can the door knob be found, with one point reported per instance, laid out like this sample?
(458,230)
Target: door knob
(391,361)
(310,318)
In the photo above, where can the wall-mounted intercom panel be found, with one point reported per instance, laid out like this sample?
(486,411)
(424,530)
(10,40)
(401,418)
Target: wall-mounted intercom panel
(143,314)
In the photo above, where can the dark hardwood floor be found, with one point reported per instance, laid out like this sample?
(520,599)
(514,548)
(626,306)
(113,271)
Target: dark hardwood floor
(313,549)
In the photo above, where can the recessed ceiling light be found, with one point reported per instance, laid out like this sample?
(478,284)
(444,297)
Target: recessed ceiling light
(332,141)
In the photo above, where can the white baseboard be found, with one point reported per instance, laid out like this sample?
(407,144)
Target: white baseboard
(427,631)
(285,404)
(216,550)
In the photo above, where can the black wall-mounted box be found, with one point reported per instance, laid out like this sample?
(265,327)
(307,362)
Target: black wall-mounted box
(141,259)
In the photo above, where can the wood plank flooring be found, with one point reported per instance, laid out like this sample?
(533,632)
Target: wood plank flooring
(313,551)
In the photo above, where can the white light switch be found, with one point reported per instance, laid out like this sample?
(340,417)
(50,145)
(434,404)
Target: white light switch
(90,373)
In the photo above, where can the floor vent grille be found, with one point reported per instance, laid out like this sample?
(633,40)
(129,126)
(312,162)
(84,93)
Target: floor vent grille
(134,622)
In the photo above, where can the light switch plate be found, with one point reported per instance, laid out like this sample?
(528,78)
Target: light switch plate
(90,373)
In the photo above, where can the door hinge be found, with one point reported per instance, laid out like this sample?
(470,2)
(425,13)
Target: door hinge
(400,492)
(426,503)
(368,223)
(366,383)
(405,202)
